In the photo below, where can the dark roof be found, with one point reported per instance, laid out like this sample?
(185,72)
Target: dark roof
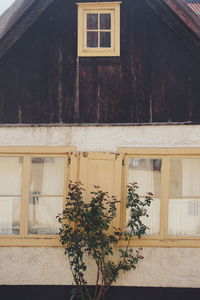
(11,15)
(17,19)
(23,13)
(195,6)
(192,1)
(181,19)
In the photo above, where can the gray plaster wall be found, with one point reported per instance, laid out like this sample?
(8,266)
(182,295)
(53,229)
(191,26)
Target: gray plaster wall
(165,267)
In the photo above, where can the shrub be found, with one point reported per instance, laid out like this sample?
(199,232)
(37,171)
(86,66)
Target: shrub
(85,232)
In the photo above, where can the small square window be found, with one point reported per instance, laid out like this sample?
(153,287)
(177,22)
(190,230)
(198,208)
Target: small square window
(99,29)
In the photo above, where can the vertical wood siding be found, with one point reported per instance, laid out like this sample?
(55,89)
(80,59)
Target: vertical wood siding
(155,80)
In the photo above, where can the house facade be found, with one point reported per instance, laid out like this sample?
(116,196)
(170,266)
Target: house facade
(107,93)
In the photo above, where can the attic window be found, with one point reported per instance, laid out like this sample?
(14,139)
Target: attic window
(99,29)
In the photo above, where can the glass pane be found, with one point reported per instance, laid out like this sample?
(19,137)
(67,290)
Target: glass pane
(184,202)
(11,175)
(92,21)
(47,176)
(105,21)
(105,39)
(184,177)
(153,221)
(10,215)
(147,173)
(184,217)
(42,215)
(92,39)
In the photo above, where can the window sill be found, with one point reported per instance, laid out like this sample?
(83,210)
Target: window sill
(30,242)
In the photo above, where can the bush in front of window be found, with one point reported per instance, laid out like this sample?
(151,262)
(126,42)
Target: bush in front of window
(86,232)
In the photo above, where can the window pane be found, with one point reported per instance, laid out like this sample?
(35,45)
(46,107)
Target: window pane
(153,221)
(184,202)
(47,176)
(184,177)
(42,215)
(147,173)
(10,215)
(105,39)
(11,175)
(92,39)
(184,217)
(105,21)
(92,21)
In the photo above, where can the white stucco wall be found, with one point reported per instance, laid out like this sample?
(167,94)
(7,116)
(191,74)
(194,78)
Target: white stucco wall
(166,267)
(102,138)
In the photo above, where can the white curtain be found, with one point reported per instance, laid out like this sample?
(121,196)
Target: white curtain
(142,172)
(47,178)
(5,215)
(10,193)
(184,211)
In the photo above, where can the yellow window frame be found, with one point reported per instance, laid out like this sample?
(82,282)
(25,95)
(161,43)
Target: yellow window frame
(112,8)
(70,173)
(163,240)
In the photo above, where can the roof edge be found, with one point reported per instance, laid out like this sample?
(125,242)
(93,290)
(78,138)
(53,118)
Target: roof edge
(180,8)
(181,20)
(22,23)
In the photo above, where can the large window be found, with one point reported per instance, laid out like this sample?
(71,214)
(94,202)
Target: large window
(173,176)
(99,29)
(32,192)
(33,183)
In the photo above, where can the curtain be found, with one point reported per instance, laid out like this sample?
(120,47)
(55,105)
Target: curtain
(147,173)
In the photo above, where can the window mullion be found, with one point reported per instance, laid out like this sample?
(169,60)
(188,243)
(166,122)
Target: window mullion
(99,31)
(164,197)
(25,195)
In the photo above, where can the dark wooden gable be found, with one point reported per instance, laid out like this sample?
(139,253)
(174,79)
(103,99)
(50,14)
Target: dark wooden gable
(155,80)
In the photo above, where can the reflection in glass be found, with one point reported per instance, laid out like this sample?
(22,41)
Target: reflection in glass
(184,202)
(147,173)
(42,215)
(105,39)
(92,21)
(92,39)
(10,215)
(47,175)
(105,21)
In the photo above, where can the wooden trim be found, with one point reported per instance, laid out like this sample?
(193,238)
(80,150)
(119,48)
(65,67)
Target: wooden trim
(160,151)
(36,150)
(118,187)
(30,242)
(176,243)
(110,7)
(82,166)
(25,194)
(25,239)
(163,240)
(164,197)
(99,4)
